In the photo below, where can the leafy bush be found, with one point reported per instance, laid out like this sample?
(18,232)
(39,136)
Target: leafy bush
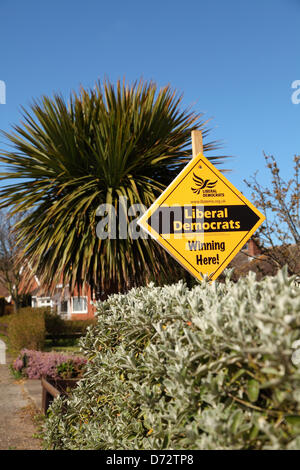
(35,364)
(56,325)
(79,326)
(26,329)
(71,368)
(41,310)
(4,321)
(210,367)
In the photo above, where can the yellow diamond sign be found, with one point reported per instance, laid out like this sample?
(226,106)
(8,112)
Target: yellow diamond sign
(201,219)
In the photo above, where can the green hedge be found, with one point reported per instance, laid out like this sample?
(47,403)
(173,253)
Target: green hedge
(55,325)
(29,327)
(214,367)
(26,329)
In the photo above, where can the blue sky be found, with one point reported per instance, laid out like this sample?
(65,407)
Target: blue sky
(233,60)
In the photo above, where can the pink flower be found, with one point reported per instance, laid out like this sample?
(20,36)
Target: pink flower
(35,364)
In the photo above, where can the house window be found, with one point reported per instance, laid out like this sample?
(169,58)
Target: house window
(79,304)
(44,301)
(64,306)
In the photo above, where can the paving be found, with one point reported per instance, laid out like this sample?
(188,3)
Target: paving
(20,400)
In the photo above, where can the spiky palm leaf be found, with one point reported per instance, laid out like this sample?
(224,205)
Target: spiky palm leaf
(70,157)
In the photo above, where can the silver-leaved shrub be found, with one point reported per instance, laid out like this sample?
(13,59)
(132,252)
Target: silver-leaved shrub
(212,367)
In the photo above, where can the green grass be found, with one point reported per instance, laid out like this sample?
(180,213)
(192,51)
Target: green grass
(62,345)
(65,349)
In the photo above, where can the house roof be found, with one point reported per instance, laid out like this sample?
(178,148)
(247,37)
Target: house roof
(263,264)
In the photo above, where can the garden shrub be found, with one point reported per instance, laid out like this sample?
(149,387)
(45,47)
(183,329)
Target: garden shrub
(29,326)
(79,326)
(26,329)
(4,321)
(212,367)
(56,325)
(36,364)
(41,310)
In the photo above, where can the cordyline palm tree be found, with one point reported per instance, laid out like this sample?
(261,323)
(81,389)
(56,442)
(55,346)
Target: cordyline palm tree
(70,157)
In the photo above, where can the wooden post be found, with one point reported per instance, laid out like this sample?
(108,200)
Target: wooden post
(48,394)
(197,143)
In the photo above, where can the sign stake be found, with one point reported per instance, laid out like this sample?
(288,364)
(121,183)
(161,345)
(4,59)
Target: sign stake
(197,143)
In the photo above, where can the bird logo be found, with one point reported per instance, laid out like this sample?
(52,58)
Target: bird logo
(202,184)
